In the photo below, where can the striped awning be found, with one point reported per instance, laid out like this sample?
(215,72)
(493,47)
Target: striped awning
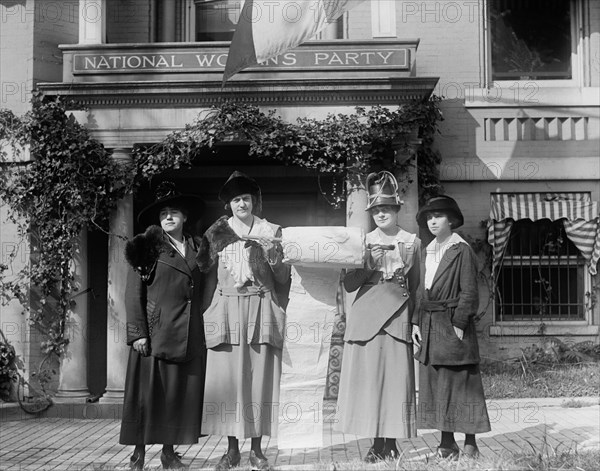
(579,212)
(536,206)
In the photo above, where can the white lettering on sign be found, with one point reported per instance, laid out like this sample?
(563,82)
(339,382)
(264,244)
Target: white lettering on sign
(211,61)
(131,62)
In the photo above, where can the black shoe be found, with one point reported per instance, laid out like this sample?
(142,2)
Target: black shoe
(228,462)
(171,460)
(260,464)
(373,456)
(471,451)
(136,462)
(448,453)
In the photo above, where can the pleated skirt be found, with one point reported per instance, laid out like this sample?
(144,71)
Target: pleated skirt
(163,401)
(241,395)
(451,399)
(377,388)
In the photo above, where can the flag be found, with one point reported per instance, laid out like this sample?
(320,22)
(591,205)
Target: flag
(268,28)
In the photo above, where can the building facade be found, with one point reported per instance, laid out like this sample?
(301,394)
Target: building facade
(519,142)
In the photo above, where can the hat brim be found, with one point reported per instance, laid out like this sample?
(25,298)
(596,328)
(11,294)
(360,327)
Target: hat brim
(446,206)
(238,185)
(383,202)
(194,205)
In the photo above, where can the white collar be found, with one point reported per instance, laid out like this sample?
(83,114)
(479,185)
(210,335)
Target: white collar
(452,240)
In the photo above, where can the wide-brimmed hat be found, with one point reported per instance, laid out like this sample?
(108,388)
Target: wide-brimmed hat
(382,189)
(443,204)
(239,183)
(166,194)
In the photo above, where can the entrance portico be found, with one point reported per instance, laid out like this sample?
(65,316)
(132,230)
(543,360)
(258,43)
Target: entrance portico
(138,94)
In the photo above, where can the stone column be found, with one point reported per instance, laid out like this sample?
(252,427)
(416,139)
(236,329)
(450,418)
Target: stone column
(330,31)
(408,213)
(167,25)
(117,351)
(92,21)
(73,365)
(356,216)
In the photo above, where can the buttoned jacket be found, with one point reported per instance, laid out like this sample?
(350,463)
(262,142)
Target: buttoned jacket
(164,297)
(386,305)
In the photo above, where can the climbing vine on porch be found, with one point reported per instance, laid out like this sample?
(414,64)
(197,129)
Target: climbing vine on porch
(56,181)
(345,146)
(59,181)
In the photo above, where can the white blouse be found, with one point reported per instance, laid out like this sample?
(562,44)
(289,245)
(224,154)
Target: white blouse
(391,260)
(236,258)
(434,254)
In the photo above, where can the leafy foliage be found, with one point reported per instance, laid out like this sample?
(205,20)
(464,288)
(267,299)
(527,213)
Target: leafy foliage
(70,183)
(345,145)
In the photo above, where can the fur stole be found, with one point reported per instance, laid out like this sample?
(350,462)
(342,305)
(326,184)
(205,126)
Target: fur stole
(143,250)
(220,235)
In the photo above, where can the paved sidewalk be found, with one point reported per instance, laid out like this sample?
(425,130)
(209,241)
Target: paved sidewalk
(64,441)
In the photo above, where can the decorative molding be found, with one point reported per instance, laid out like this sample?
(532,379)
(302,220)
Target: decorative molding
(567,128)
(356,91)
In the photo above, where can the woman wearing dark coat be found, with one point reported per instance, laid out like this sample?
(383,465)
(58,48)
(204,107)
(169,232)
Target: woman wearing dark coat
(165,372)
(451,397)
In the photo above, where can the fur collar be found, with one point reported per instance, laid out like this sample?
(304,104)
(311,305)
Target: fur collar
(143,250)
(220,235)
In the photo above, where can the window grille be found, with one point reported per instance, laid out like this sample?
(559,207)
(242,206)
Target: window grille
(541,276)
(543,246)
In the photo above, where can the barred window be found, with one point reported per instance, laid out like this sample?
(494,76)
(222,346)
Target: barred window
(541,276)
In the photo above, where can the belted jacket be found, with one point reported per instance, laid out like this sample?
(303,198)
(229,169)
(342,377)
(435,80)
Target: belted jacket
(164,296)
(263,299)
(451,301)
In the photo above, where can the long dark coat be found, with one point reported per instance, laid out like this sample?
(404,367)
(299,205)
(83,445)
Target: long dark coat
(164,297)
(451,301)
(163,391)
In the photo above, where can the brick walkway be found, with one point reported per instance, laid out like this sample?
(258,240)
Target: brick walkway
(64,441)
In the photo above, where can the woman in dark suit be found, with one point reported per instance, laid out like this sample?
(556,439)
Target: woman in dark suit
(165,372)
(451,397)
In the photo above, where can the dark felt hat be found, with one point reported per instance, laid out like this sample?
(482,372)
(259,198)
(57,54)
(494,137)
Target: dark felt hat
(443,204)
(167,195)
(238,184)
(382,189)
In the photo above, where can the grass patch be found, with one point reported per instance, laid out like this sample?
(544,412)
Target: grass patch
(546,459)
(507,381)
(577,403)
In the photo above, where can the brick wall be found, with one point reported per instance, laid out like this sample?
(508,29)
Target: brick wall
(56,23)
(128,21)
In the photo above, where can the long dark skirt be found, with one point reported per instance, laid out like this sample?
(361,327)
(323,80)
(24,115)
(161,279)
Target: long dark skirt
(163,401)
(451,399)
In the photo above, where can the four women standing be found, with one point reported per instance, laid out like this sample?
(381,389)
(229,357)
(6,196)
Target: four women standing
(245,283)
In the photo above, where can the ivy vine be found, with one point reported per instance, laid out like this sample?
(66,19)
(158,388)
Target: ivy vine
(60,182)
(347,146)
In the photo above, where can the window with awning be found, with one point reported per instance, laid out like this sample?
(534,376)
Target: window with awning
(542,243)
